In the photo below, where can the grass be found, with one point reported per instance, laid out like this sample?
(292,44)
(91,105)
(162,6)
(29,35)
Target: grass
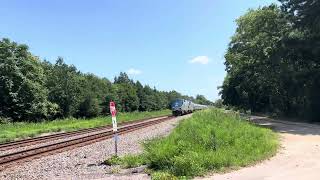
(11,131)
(127,161)
(210,140)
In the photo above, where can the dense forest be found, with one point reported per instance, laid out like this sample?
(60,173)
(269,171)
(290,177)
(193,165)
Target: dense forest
(36,90)
(273,60)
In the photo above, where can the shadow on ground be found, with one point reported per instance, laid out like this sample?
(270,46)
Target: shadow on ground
(286,126)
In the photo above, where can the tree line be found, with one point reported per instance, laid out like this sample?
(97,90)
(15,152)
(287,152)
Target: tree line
(273,60)
(36,90)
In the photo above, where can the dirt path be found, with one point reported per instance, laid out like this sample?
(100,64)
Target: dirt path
(298,158)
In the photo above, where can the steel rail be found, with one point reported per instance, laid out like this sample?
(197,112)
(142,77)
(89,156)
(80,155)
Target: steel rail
(17,157)
(39,139)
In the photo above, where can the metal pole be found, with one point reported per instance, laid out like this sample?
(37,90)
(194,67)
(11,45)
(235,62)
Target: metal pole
(116,143)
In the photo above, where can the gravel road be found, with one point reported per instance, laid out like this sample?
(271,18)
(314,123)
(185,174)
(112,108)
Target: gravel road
(85,162)
(297,159)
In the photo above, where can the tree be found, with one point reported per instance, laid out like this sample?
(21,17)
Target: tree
(123,78)
(172,95)
(126,92)
(22,90)
(112,96)
(64,85)
(253,62)
(128,98)
(303,52)
(94,91)
(142,96)
(90,107)
(35,90)
(273,62)
(200,99)
(219,103)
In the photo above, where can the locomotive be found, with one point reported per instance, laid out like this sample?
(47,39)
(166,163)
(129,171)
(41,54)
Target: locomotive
(181,106)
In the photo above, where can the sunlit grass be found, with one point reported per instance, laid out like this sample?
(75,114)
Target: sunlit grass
(12,131)
(210,140)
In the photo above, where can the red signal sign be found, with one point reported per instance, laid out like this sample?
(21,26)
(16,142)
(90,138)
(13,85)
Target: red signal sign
(113,110)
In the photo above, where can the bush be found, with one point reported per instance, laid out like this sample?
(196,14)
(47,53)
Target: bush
(210,140)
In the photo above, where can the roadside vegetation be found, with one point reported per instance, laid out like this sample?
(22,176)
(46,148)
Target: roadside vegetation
(272,61)
(11,131)
(211,140)
(127,161)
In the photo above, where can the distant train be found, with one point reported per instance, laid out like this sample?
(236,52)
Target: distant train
(181,106)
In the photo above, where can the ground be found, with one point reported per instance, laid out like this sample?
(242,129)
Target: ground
(86,162)
(298,158)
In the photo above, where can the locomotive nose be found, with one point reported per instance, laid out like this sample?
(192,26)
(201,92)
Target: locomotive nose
(176,108)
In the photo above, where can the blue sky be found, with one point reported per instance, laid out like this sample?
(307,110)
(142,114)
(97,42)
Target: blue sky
(169,44)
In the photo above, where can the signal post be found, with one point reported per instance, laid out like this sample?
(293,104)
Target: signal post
(113,112)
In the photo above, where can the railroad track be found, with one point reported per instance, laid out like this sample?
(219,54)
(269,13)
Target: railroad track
(41,139)
(11,159)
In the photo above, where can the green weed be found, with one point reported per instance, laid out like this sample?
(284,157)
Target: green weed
(163,176)
(130,161)
(114,160)
(127,161)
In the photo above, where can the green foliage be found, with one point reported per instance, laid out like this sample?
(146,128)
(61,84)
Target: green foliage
(130,161)
(22,91)
(303,51)
(32,90)
(64,85)
(128,98)
(93,96)
(11,131)
(272,61)
(200,99)
(89,107)
(253,69)
(127,161)
(219,103)
(114,160)
(158,175)
(210,140)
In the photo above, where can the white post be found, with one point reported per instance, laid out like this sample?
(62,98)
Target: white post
(113,112)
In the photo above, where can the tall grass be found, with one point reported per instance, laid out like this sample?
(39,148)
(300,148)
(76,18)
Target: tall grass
(10,131)
(210,140)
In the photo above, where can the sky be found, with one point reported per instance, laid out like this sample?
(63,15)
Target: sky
(168,44)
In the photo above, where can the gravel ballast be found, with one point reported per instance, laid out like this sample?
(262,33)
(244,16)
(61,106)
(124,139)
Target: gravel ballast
(85,162)
(8,151)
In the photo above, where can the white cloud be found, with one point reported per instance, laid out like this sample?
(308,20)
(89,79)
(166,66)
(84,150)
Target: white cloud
(200,60)
(133,71)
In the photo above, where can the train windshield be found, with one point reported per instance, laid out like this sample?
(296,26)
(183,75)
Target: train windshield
(177,103)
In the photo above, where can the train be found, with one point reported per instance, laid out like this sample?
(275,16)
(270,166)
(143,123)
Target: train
(182,106)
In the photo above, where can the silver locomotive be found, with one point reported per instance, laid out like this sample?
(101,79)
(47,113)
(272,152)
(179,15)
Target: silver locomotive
(181,106)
